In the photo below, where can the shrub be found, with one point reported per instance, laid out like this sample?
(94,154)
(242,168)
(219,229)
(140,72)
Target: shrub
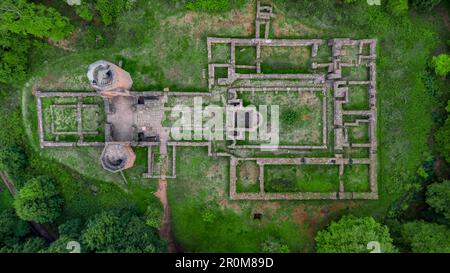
(289,117)
(154,217)
(441,64)
(85,11)
(110,9)
(274,245)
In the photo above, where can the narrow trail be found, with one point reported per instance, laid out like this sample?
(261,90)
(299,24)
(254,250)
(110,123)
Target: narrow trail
(166,226)
(161,194)
(8,184)
(39,229)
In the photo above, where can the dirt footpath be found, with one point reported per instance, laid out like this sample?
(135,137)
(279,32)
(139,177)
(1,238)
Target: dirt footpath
(166,227)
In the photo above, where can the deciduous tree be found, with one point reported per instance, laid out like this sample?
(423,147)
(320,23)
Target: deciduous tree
(39,200)
(27,18)
(426,237)
(441,64)
(120,231)
(351,234)
(438,197)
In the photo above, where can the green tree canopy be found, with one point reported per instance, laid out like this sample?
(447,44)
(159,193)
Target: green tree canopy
(442,137)
(103,232)
(107,10)
(424,5)
(13,57)
(13,159)
(27,18)
(59,246)
(39,200)
(68,231)
(11,226)
(139,237)
(33,245)
(438,197)
(426,237)
(71,228)
(20,19)
(120,231)
(351,235)
(441,64)
(84,9)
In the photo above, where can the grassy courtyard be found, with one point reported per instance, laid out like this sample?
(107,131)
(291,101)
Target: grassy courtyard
(286,60)
(248,176)
(300,115)
(301,178)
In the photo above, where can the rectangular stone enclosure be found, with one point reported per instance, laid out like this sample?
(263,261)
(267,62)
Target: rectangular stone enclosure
(325,91)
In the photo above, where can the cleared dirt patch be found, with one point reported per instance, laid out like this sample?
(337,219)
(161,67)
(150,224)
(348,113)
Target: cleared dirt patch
(248,176)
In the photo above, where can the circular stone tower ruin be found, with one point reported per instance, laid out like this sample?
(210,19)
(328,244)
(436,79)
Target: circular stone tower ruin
(109,79)
(117,157)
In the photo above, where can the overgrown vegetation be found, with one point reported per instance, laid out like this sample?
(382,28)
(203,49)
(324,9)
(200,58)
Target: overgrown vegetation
(39,200)
(214,6)
(22,25)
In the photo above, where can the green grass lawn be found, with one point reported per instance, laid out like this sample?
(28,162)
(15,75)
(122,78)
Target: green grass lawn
(97,190)
(285,59)
(351,54)
(356,178)
(205,220)
(300,115)
(64,118)
(357,73)
(90,118)
(221,53)
(359,134)
(245,55)
(301,178)
(358,98)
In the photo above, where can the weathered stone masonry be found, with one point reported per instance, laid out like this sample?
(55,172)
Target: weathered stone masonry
(113,84)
